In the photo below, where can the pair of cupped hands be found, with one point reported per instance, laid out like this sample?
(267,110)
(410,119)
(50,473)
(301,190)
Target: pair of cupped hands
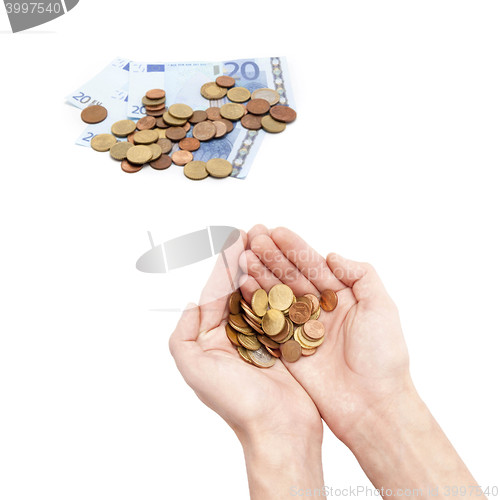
(362,364)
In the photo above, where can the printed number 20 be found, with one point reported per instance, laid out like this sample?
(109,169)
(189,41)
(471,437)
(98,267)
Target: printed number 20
(244,70)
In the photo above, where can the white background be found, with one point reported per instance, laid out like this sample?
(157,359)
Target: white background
(394,159)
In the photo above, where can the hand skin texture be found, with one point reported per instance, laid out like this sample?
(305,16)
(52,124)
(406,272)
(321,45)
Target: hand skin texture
(276,421)
(358,379)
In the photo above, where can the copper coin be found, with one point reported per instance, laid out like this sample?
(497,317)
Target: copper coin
(213,113)
(308,302)
(146,123)
(165,145)
(234,302)
(182,157)
(160,122)
(291,351)
(229,125)
(162,163)
(156,113)
(264,339)
(251,122)
(258,106)
(155,108)
(187,127)
(94,114)
(155,94)
(308,352)
(204,131)
(328,300)
(273,352)
(283,113)
(130,138)
(129,168)
(314,301)
(225,81)
(283,334)
(220,128)
(175,133)
(189,144)
(314,329)
(299,313)
(198,116)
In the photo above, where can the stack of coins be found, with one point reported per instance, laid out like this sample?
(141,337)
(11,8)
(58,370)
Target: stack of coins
(154,102)
(261,111)
(277,325)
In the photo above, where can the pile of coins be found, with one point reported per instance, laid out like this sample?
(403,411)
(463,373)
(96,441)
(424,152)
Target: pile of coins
(153,138)
(277,325)
(262,110)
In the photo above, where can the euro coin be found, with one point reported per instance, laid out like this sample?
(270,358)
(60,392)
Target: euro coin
(225,81)
(181,111)
(212,91)
(249,342)
(232,111)
(196,170)
(94,114)
(119,150)
(261,358)
(259,302)
(244,354)
(146,136)
(269,124)
(232,335)
(251,122)
(146,123)
(162,163)
(172,121)
(234,303)
(102,142)
(139,155)
(238,94)
(218,167)
(273,322)
(270,95)
(291,351)
(258,106)
(281,297)
(175,133)
(328,300)
(189,144)
(165,145)
(129,168)
(155,94)
(182,157)
(123,128)
(156,150)
(283,114)
(204,131)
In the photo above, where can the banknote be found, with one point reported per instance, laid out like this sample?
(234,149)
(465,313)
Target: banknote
(181,82)
(101,89)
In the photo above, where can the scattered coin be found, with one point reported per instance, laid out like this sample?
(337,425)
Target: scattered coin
(299,313)
(328,300)
(129,168)
(213,113)
(232,111)
(225,81)
(234,302)
(238,94)
(102,142)
(291,351)
(252,122)
(119,150)
(269,124)
(162,163)
(94,114)
(261,358)
(198,116)
(260,302)
(280,297)
(196,170)
(258,106)
(139,155)
(172,121)
(217,167)
(146,123)
(212,91)
(181,111)
(146,137)
(189,144)
(157,113)
(220,129)
(204,131)
(155,94)
(229,125)
(123,128)
(270,95)
(156,150)
(273,322)
(152,102)
(175,133)
(165,145)
(232,335)
(244,354)
(182,157)
(283,114)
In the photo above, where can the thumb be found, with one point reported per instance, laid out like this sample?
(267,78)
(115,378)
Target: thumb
(186,332)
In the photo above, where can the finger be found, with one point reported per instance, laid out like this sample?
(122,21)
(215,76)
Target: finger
(360,277)
(256,231)
(272,257)
(310,263)
(222,282)
(248,285)
(251,264)
(185,333)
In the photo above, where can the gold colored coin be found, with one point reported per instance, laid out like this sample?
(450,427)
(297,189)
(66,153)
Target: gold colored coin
(234,302)
(244,354)
(139,155)
(270,95)
(232,335)
(232,111)
(273,322)
(172,121)
(238,94)
(196,170)
(250,342)
(305,343)
(281,297)
(123,128)
(316,315)
(152,102)
(119,150)
(181,111)
(269,124)
(103,142)
(161,133)
(157,151)
(212,91)
(262,358)
(255,326)
(146,136)
(259,302)
(217,167)
(250,314)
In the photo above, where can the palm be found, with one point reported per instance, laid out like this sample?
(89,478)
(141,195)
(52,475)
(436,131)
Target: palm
(363,355)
